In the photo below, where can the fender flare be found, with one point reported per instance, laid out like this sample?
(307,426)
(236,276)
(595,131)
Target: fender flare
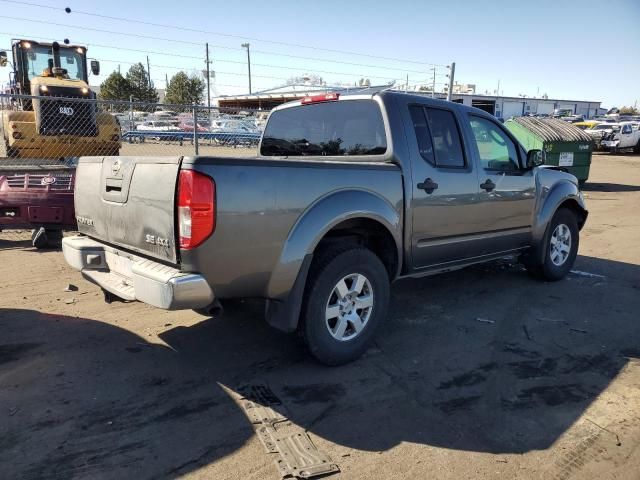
(288,278)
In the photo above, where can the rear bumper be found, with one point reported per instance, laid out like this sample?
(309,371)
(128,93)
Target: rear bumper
(135,278)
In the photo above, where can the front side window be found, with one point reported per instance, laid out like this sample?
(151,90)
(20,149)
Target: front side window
(338,128)
(495,149)
(626,129)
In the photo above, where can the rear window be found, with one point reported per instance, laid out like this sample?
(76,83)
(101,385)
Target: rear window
(353,127)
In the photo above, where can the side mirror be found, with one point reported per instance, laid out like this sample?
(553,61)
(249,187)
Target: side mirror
(3,58)
(95,67)
(535,158)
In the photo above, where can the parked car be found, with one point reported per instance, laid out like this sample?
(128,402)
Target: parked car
(158,126)
(187,125)
(38,198)
(625,136)
(598,131)
(348,194)
(586,124)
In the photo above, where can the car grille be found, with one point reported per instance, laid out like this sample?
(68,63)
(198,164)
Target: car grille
(41,181)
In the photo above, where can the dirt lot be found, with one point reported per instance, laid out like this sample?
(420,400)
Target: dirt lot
(549,388)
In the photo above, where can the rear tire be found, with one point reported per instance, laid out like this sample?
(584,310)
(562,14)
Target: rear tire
(559,247)
(636,149)
(346,299)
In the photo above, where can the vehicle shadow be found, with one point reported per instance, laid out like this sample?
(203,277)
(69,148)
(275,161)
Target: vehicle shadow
(483,360)
(609,187)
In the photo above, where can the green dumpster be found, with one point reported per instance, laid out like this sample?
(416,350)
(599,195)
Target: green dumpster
(565,145)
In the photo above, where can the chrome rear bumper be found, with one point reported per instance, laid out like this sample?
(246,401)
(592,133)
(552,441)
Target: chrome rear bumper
(135,278)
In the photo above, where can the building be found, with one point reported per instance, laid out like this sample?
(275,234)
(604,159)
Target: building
(507,107)
(500,106)
(464,88)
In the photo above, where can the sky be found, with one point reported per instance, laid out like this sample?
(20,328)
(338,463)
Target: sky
(576,50)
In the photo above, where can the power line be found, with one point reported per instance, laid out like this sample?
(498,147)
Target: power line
(237,62)
(149,37)
(219,60)
(228,35)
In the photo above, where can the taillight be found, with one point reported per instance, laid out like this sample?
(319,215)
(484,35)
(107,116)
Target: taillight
(196,208)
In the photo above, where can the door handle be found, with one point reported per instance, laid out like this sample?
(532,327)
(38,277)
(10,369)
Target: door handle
(488,185)
(428,186)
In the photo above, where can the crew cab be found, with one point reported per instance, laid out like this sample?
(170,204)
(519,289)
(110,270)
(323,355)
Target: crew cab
(347,194)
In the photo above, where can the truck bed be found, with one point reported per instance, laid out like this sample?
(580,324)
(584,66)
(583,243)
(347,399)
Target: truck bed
(258,202)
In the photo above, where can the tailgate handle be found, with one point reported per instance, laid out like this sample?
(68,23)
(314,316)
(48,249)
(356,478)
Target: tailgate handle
(113,185)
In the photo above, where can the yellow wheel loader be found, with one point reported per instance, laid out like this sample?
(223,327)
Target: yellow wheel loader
(52,113)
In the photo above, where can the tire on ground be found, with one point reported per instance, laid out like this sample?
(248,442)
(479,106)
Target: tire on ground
(543,266)
(331,266)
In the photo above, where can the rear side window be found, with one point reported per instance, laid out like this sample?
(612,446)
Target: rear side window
(353,127)
(438,136)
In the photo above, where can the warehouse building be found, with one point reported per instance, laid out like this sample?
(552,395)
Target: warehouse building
(507,107)
(500,106)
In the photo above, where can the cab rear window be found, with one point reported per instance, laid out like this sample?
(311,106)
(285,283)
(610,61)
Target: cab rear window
(351,127)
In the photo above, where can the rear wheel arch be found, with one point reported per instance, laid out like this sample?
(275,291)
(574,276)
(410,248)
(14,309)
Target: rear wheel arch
(368,233)
(350,217)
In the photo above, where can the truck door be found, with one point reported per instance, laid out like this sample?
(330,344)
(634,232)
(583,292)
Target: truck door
(444,189)
(626,136)
(507,190)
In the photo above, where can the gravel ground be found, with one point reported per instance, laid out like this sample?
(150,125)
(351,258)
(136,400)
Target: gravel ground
(549,387)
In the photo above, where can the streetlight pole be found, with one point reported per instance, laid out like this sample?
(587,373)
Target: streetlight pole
(246,45)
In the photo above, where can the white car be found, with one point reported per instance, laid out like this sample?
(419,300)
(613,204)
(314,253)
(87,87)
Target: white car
(622,136)
(158,126)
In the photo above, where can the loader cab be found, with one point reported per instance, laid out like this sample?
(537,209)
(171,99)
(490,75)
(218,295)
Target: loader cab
(43,63)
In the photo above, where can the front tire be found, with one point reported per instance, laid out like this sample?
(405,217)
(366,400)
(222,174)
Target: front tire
(346,300)
(560,247)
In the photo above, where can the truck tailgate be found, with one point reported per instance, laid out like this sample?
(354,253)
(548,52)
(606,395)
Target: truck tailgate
(129,202)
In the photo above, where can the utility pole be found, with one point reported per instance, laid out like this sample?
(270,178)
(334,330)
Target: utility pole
(498,90)
(246,45)
(433,85)
(406,88)
(206,45)
(451,75)
(148,71)
(166,81)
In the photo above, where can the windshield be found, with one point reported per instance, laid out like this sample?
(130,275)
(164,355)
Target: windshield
(332,128)
(604,127)
(37,60)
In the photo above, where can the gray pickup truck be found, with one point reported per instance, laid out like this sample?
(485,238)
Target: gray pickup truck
(348,193)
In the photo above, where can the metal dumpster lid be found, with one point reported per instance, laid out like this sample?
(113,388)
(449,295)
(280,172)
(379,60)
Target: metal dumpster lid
(553,129)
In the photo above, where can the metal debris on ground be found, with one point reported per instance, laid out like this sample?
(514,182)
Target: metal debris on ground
(298,456)
(484,320)
(71,288)
(553,320)
(580,273)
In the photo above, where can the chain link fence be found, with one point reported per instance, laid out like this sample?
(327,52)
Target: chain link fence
(63,128)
